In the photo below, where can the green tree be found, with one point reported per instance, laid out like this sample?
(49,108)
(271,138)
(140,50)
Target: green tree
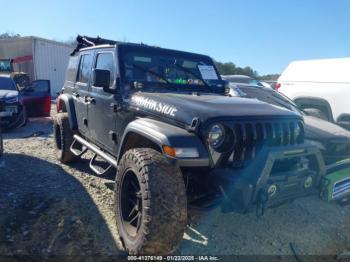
(272,77)
(226,68)
(9,35)
(230,68)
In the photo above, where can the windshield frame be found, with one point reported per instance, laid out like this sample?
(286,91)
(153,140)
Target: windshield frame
(149,85)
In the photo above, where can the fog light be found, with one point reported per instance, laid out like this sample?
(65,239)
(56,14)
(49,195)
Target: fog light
(308,182)
(272,190)
(186,152)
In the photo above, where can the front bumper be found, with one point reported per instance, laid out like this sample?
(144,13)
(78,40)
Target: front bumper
(12,119)
(266,182)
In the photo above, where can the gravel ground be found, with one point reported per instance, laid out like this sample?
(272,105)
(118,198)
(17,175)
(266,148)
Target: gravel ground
(51,209)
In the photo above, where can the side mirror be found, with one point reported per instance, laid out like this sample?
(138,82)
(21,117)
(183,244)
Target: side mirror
(102,78)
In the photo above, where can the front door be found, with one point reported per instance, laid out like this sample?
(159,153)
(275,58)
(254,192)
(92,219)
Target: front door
(81,91)
(37,98)
(102,105)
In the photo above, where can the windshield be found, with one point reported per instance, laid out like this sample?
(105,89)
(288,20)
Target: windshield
(160,68)
(7,83)
(265,95)
(293,106)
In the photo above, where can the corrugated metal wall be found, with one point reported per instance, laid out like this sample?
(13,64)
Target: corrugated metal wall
(16,49)
(39,58)
(50,60)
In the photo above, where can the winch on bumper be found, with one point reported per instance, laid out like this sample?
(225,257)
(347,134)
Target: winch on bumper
(276,175)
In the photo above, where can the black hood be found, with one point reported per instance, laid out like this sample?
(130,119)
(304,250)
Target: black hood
(183,108)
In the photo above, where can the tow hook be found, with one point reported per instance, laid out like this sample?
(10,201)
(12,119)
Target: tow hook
(261,204)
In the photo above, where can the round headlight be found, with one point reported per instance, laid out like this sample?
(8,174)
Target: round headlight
(216,135)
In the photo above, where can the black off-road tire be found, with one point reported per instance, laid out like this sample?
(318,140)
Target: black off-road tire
(63,137)
(164,203)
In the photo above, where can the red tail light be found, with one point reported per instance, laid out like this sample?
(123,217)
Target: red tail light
(278,86)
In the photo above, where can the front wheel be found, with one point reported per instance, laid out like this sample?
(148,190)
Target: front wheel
(150,203)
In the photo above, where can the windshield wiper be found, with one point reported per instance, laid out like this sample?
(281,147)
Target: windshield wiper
(184,69)
(146,70)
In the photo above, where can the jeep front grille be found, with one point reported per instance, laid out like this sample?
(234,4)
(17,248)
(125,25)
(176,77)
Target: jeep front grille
(249,137)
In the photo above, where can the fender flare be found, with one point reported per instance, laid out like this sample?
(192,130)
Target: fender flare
(68,102)
(164,134)
(315,101)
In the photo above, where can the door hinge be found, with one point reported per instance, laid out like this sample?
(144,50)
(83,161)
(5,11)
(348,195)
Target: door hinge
(113,136)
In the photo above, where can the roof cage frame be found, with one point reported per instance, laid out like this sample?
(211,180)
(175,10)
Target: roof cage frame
(86,41)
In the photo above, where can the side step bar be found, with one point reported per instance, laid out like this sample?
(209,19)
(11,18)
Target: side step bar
(96,150)
(97,170)
(77,149)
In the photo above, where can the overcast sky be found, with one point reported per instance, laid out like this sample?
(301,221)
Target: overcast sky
(265,35)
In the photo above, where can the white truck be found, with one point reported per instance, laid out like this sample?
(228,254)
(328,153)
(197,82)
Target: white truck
(321,87)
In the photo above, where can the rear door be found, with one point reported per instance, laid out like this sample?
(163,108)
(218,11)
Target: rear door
(101,115)
(81,90)
(37,98)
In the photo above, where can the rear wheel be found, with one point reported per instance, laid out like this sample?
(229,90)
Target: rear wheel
(63,137)
(150,203)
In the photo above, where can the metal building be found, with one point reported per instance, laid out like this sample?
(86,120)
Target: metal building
(39,58)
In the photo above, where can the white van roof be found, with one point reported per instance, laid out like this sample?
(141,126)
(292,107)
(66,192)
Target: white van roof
(335,70)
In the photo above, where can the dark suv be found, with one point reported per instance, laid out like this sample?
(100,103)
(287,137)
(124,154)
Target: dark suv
(332,140)
(162,119)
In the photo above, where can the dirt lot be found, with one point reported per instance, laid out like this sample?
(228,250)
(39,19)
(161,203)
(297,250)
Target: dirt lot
(51,209)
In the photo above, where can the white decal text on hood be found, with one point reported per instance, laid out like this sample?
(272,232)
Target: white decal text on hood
(153,105)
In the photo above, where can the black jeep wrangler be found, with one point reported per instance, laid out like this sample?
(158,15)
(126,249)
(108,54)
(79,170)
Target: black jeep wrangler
(162,119)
